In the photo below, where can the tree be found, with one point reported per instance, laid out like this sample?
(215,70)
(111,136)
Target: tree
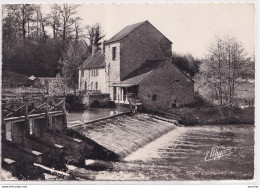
(78,30)
(23,13)
(57,86)
(187,63)
(73,57)
(54,20)
(221,68)
(64,15)
(41,23)
(94,35)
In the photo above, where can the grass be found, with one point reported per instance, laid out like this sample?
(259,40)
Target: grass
(213,115)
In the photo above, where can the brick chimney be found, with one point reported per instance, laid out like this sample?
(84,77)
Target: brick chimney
(102,46)
(94,49)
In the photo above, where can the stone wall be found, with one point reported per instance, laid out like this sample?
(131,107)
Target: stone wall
(85,81)
(58,123)
(165,88)
(102,98)
(20,130)
(73,147)
(112,66)
(144,43)
(53,153)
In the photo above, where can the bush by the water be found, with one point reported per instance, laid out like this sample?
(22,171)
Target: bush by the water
(74,103)
(95,104)
(112,104)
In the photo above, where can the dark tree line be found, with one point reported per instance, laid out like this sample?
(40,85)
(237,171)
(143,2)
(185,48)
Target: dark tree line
(35,42)
(187,63)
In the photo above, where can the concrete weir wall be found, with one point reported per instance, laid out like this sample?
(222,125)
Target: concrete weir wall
(39,127)
(41,140)
(114,139)
(57,123)
(20,130)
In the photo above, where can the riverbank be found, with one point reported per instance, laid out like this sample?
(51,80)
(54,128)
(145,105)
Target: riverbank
(209,115)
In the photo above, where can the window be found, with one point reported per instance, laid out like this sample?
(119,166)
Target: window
(114,93)
(154,97)
(94,72)
(91,85)
(96,85)
(113,53)
(82,73)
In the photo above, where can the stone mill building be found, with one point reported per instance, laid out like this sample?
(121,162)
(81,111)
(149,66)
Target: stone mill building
(136,64)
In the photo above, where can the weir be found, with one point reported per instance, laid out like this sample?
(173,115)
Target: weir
(36,134)
(39,139)
(124,134)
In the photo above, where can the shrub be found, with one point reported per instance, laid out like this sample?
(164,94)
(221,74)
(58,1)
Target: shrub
(95,104)
(74,103)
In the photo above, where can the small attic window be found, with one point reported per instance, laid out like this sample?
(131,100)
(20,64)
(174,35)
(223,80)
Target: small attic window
(177,81)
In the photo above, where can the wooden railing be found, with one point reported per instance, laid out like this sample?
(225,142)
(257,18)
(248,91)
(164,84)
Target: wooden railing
(29,109)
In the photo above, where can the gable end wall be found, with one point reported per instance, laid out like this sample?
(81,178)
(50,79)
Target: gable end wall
(142,44)
(169,85)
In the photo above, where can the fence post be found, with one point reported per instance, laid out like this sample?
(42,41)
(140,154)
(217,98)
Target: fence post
(26,109)
(48,121)
(3,130)
(64,111)
(26,126)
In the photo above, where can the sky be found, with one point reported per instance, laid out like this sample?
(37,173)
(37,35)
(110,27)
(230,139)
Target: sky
(190,27)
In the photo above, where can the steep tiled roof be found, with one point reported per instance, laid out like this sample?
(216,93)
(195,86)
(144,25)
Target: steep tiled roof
(124,32)
(147,66)
(133,81)
(136,76)
(94,61)
(128,29)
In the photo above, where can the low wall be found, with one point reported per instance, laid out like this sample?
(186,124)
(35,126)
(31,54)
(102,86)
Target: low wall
(25,158)
(96,99)
(53,154)
(73,147)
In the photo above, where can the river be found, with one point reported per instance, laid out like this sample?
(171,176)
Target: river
(92,114)
(205,152)
(214,152)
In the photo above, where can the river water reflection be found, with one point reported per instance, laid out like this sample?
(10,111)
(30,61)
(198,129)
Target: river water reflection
(92,114)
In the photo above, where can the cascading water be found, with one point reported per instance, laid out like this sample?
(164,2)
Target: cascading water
(152,149)
(124,135)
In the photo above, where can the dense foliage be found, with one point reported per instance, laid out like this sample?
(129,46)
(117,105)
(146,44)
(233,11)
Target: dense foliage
(187,63)
(36,41)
